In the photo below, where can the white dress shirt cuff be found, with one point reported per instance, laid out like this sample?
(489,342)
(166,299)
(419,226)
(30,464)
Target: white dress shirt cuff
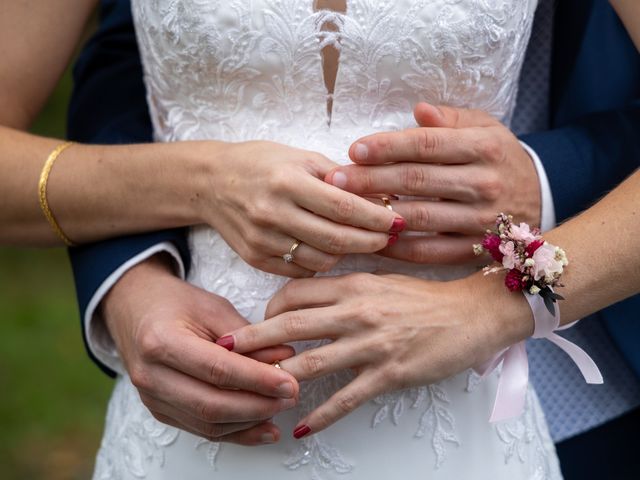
(99,339)
(547,213)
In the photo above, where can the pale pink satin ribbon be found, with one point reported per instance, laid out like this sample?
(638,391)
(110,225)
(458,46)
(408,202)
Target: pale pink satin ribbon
(512,386)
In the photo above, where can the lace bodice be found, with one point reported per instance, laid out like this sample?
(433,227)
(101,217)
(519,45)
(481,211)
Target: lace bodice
(240,69)
(237,70)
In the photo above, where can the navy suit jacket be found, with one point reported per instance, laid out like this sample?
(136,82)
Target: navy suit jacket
(593,145)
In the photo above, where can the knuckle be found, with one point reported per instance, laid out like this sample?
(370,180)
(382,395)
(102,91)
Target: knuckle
(345,208)
(141,379)
(314,364)
(413,178)
(258,212)
(346,402)
(489,148)
(490,188)
(293,324)
(336,242)
(420,217)
(219,373)
(484,219)
(151,343)
(425,144)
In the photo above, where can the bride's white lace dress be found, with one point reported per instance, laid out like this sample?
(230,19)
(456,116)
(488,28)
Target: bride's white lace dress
(236,70)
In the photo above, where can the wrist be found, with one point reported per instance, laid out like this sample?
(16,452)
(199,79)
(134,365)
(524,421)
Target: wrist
(129,291)
(203,173)
(504,317)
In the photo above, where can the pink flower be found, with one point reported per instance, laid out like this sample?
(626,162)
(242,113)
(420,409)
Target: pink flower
(546,264)
(513,280)
(491,243)
(509,259)
(533,246)
(522,233)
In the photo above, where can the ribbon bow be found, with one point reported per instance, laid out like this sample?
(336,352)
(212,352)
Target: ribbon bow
(512,386)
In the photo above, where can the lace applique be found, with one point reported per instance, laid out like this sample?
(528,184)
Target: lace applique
(525,440)
(436,420)
(211,448)
(320,456)
(135,441)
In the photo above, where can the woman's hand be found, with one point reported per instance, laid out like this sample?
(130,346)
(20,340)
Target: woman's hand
(264,196)
(395,331)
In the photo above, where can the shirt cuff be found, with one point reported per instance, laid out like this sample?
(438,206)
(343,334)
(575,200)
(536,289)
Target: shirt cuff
(99,339)
(548,212)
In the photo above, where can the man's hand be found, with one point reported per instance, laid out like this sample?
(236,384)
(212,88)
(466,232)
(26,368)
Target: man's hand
(468,166)
(165,331)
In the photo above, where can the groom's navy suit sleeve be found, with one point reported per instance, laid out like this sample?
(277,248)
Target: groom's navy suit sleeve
(595,140)
(109,106)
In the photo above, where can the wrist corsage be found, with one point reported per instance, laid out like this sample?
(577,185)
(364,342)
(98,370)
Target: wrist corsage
(534,268)
(532,265)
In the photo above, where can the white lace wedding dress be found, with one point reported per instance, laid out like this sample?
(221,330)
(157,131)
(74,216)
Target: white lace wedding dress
(236,70)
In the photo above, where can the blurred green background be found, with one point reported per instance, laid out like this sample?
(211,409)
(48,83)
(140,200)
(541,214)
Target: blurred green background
(52,398)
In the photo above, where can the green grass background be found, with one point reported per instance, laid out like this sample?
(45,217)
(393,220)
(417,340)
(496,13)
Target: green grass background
(52,398)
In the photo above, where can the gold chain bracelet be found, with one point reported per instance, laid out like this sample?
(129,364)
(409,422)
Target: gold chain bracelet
(42,191)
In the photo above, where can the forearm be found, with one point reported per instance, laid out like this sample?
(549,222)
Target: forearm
(97,192)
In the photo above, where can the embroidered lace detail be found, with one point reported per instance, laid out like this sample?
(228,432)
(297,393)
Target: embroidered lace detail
(212,449)
(135,440)
(525,440)
(436,420)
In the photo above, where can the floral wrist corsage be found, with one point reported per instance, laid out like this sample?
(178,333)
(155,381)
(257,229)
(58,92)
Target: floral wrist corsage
(532,265)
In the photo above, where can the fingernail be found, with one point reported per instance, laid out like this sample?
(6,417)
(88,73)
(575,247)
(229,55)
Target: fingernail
(268,438)
(226,342)
(360,152)
(398,225)
(339,180)
(285,390)
(301,431)
(393,238)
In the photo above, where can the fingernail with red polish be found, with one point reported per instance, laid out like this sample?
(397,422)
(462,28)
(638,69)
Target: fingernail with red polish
(226,342)
(360,152)
(393,238)
(301,431)
(398,225)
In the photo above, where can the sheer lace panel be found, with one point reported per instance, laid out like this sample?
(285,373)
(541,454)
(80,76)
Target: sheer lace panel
(331,48)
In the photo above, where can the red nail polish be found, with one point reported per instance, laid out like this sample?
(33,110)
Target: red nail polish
(393,238)
(399,224)
(301,431)
(226,342)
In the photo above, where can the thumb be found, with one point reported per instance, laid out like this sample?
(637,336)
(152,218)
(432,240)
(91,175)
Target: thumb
(428,115)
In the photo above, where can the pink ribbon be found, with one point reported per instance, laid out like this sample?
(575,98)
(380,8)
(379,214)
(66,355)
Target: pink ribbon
(512,386)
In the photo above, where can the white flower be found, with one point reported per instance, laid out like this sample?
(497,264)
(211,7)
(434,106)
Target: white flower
(534,290)
(529,262)
(546,264)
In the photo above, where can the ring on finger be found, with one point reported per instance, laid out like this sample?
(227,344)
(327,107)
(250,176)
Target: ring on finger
(387,203)
(289,257)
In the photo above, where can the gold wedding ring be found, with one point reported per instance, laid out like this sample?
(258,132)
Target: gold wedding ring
(387,203)
(288,257)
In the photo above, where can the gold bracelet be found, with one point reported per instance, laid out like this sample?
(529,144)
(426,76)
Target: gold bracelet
(42,191)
